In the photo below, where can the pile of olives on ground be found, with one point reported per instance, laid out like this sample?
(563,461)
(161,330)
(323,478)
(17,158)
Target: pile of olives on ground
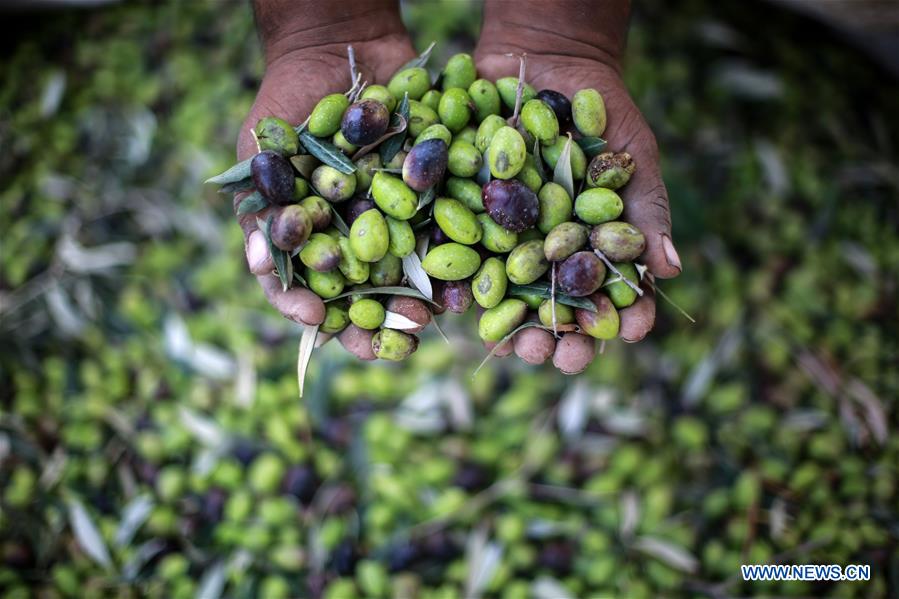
(458,180)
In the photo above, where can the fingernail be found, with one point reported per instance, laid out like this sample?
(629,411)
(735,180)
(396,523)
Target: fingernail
(257,252)
(670,253)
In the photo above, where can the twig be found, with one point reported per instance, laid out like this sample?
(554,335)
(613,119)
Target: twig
(351,57)
(552,298)
(523,60)
(611,267)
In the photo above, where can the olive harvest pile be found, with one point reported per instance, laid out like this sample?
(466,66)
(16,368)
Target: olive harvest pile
(393,202)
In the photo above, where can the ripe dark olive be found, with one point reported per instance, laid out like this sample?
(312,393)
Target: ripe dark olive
(425,164)
(557,555)
(457,296)
(581,274)
(301,482)
(291,227)
(273,177)
(559,103)
(438,237)
(355,207)
(364,122)
(511,204)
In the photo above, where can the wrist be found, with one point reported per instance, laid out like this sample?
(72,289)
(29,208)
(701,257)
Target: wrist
(576,29)
(289,28)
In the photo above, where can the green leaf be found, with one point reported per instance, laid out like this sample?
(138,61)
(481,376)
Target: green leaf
(87,534)
(339,223)
(562,173)
(305,164)
(545,291)
(283,263)
(238,186)
(592,145)
(394,144)
(426,197)
(239,171)
(327,152)
(419,61)
(502,342)
(299,279)
(252,203)
(407,291)
(307,344)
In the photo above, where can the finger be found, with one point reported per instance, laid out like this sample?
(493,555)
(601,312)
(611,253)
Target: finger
(413,309)
(638,318)
(259,258)
(321,339)
(501,351)
(574,352)
(357,341)
(534,345)
(297,303)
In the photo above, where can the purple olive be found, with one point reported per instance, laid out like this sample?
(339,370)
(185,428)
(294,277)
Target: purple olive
(581,274)
(355,207)
(511,204)
(425,164)
(559,103)
(291,227)
(364,122)
(273,177)
(438,237)
(457,296)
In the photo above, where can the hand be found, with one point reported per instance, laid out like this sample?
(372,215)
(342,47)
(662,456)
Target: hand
(305,45)
(572,46)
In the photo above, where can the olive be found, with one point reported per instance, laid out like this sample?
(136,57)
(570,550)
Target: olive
(581,274)
(457,296)
(559,103)
(273,176)
(425,164)
(291,228)
(364,122)
(301,482)
(511,204)
(355,207)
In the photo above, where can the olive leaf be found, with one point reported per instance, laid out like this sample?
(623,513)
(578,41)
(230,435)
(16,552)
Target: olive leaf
(305,164)
(562,173)
(592,145)
(299,279)
(283,263)
(671,301)
(239,171)
(426,197)
(505,339)
(401,125)
(423,224)
(327,152)
(252,203)
(238,186)
(133,517)
(307,345)
(339,223)
(393,144)
(416,275)
(406,291)
(419,61)
(392,320)
(538,162)
(87,534)
(545,291)
(439,330)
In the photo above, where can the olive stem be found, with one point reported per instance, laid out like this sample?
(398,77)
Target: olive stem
(523,61)
(351,57)
(552,298)
(611,267)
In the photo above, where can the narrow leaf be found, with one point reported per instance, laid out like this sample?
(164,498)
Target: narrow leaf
(239,171)
(392,320)
(204,430)
(238,186)
(562,173)
(417,276)
(305,164)
(328,153)
(394,129)
(673,555)
(483,176)
(307,344)
(671,301)
(426,197)
(592,145)
(503,341)
(299,279)
(419,61)
(213,582)
(283,263)
(393,144)
(87,535)
(338,222)
(252,203)
(133,516)
(406,291)
(545,291)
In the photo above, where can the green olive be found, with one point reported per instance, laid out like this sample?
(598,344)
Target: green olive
(381,94)
(327,114)
(367,313)
(466,191)
(496,238)
(589,112)
(437,131)
(415,81)
(502,319)
(451,262)
(489,284)
(598,205)
(527,262)
(459,72)
(393,196)
(464,159)
(420,118)
(540,121)
(486,130)
(458,222)
(485,98)
(402,237)
(506,153)
(508,88)
(277,135)
(555,207)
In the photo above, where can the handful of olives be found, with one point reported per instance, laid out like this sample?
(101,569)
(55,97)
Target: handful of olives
(396,202)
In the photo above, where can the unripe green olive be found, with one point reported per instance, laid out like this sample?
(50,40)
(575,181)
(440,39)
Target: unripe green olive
(508,88)
(496,238)
(485,98)
(464,159)
(369,236)
(451,262)
(367,313)
(458,222)
(466,191)
(420,118)
(489,284)
(393,196)
(598,205)
(588,110)
(431,99)
(502,319)
(506,153)
(555,207)
(381,94)
(333,185)
(564,314)
(327,114)
(527,263)
(415,81)
(552,153)
(454,109)
(486,130)
(459,72)
(276,134)
(540,121)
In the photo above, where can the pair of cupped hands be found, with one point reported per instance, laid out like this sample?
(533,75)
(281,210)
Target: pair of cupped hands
(301,69)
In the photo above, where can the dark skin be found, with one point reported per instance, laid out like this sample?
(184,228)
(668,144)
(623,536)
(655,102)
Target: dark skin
(571,45)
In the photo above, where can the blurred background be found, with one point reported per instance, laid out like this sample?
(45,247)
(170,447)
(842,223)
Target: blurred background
(151,439)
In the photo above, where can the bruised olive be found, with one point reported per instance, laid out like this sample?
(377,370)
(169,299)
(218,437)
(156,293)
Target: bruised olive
(511,204)
(619,241)
(457,296)
(291,228)
(559,103)
(355,207)
(425,164)
(273,176)
(581,274)
(364,122)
